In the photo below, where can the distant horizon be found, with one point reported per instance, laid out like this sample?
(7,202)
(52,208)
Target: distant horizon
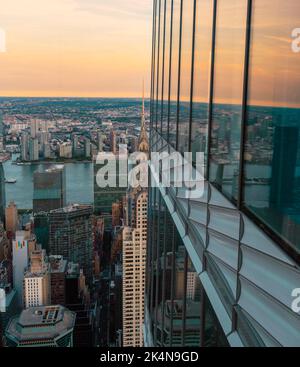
(74,97)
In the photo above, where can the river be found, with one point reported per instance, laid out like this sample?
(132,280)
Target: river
(79,177)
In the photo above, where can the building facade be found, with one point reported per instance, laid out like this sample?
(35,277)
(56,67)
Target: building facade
(37,287)
(134,249)
(134,240)
(2,194)
(20,263)
(223,88)
(71,235)
(49,191)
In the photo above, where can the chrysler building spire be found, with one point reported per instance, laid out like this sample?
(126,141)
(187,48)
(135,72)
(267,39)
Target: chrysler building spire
(143,140)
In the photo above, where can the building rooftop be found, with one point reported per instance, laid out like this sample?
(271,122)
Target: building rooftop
(58,264)
(40,323)
(71,209)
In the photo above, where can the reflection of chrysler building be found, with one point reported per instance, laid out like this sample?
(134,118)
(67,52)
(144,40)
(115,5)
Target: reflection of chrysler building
(134,255)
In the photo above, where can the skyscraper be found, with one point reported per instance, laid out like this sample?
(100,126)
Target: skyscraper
(71,235)
(134,238)
(25,146)
(49,191)
(2,194)
(215,91)
(113,142)
(11,219)
(33,149)
(50,326)
(37,291)
(20,263)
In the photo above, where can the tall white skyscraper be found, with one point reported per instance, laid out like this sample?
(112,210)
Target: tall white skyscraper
(134,257)
(37,281)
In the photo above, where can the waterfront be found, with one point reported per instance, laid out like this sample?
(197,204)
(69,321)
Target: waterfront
(79,183)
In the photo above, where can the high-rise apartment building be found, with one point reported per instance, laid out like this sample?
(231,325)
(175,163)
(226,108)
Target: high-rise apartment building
(100,141)
(134,239)
(58,269)
(11,218)
(33,149)
(224,86)
(49,192)
(37,290)
(134,273)
(113,142)
(71,235)
(66,150)
(20,263)
(2,194)
(25,146)
(43,327)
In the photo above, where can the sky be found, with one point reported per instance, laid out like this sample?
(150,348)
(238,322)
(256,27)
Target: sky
(75,48)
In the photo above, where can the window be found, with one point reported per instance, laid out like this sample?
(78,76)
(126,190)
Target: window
(202,70)
(272,149)
(174,72)
(166,81)
(185,74)
(228,94)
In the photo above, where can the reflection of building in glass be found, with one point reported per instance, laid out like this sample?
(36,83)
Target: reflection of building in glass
(239,237)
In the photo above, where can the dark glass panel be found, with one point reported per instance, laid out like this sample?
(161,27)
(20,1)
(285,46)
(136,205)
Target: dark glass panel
(185,74)
(202,69)
(160,65)
(228,94)
(213,333)
(155,69)
(158,334)
(193,323)
(165,105)
(272,149)
(174,72)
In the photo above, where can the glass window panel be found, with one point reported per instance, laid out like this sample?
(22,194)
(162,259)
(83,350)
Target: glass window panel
(174,72)
(155,68)
(272,150)
(153,64)
(177,303)
(158,334)
(185,74)
(202,69)
(213,333)
(228,93)
(160,64)
(193,322)
(164,279)
(165,106)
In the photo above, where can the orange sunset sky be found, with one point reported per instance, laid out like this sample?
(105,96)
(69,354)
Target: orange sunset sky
(89,48)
